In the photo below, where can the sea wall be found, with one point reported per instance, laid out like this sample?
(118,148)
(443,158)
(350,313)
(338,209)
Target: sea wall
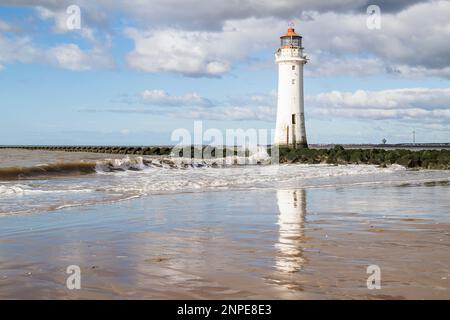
(427,159)
(155,150)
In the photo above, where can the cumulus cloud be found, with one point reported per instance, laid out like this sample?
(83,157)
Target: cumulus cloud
(193,106)
(70,56)
(202,15)
(15,47)
(383,114)
(60,17)
(13,50)
(199,53)
(212,14)
(175,51)
(66,56)
(409,43)
(425,104)
(261,107)
(217,35)
(426,98)
(427,108)
(159,97)
(329,65)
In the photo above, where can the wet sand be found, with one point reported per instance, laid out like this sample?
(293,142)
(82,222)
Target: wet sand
(276,244)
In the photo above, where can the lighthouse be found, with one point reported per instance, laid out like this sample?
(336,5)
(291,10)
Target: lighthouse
(290,129)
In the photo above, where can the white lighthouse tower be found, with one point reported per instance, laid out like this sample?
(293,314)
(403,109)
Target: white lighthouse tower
(290,128)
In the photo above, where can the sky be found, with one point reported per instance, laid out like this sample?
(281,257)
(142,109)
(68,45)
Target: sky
(131,72)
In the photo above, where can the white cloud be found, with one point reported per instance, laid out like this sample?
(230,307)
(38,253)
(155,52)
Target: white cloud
(423,104)
(162,98)
(60,18)
(217,9)
(217,35)
(259,107)
(329,65)
(66,56)
(199,53)
(70,56)
(174,51)
(13,50)
(409,43)
(193,106)
(212,14)
(427,108)
(4,26)
(426,98)
(16,48)
(383,114)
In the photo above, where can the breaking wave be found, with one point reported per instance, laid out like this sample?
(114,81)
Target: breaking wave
(53,169)
(80,182)
(137,163)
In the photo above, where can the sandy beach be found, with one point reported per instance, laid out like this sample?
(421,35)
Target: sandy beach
(294,243)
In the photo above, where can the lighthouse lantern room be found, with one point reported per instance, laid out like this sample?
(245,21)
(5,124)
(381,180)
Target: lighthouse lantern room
(290,125)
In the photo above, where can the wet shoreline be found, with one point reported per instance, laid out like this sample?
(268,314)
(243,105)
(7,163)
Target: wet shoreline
(276,244)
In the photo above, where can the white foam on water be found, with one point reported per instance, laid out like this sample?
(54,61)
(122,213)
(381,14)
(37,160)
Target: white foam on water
(157,180)
(27,190)
(127,163)
(137,176)
(11,190)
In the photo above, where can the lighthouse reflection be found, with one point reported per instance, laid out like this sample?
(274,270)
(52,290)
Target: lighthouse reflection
(291,218)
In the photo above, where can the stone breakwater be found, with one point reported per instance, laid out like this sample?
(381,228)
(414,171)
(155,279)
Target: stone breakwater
(426,159)
(163,150)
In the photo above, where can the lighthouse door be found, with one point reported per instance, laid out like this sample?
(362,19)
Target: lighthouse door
(287,135)
(293,129)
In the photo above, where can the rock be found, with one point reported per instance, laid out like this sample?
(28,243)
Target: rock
(338,147)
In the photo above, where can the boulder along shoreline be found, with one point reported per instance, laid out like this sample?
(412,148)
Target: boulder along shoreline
(426,159)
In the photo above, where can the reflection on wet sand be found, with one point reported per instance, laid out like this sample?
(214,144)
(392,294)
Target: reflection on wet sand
(236,245)
(291,218)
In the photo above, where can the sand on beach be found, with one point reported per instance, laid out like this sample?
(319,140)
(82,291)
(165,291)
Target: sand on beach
(295,243)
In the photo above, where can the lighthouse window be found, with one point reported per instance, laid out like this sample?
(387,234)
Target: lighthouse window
(296,42)
(293,81)
(293,67)
(288,41)
(293,118)
(285,42)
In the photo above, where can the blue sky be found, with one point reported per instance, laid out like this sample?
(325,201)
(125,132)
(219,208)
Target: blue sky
(134,72)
